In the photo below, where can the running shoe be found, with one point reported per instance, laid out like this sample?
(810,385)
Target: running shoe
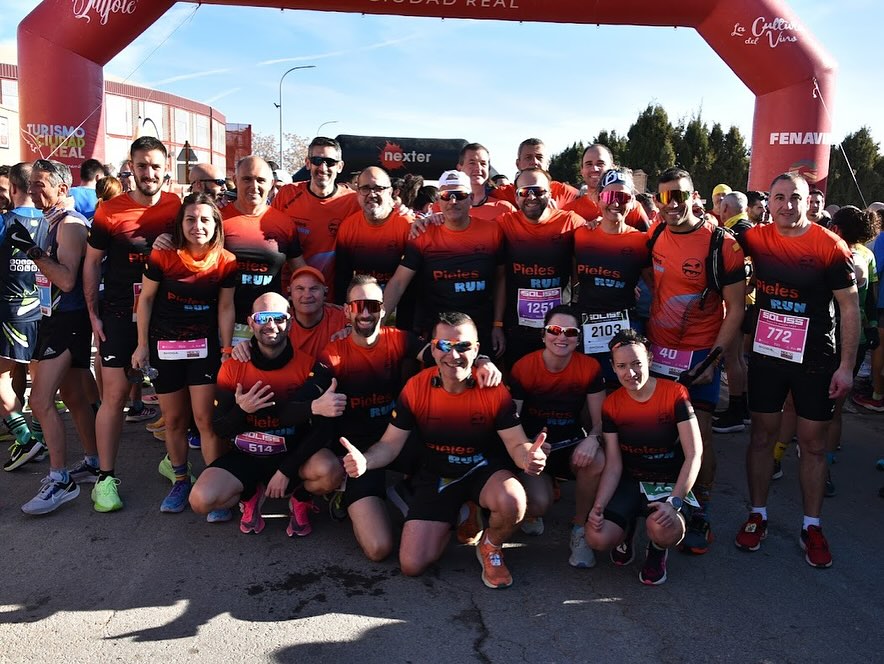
(532,526)
(156,425)
(299,522)
(150,398)
(251,520)
(469,531)
(581,555)
(52,494)
(336,509)
(697,537)
(193,440)
(753,531)
(777,470)
(494,571)
(653,572)
(624,553)
(729,422)
(146,413)
(867,402)
(20,454)
(223,515)
(165,469)
(815,547)
(106,496)
(176,501)
(83,473)
(160,435)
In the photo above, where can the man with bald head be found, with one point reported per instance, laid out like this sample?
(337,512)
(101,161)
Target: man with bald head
(371,241)
(271,407)
(207,179)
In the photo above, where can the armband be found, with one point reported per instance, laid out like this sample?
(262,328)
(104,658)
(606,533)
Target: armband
(498,323)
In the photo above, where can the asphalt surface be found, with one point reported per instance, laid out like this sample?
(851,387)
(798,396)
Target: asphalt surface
(141,586)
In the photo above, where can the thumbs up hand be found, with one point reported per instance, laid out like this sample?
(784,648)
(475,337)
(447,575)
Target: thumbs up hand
(330,404)
(535,457)
(354,461)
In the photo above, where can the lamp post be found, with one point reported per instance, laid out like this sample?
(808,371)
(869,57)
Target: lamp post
(319,128)
(155,128)
(279,105)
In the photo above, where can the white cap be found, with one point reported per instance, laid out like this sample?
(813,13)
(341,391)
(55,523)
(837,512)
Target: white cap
(454,179)
(283,176)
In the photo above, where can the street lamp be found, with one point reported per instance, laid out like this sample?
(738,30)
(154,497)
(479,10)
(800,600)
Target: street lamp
(155,128)
(279,105)
(319,128)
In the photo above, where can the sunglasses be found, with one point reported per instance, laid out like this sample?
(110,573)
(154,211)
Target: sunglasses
(46,165)
(675,195)
(264,317)
(454,195)
(537,192)
(358,306)
(331,162)
(219,182)
(556,330)
(448,345)
(366,189)
(125,174)
(621,198)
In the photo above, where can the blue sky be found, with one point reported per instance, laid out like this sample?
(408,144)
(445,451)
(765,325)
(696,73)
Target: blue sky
(487,81)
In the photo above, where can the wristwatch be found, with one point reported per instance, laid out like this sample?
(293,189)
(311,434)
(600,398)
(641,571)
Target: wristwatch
(676,502)
(35,253)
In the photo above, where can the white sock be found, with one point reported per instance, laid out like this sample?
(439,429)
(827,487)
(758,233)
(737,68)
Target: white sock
(810,521)
(759,510)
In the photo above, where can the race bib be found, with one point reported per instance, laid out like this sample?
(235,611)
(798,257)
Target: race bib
(670,362)
(192,349)
(44,290)
(781,335)
(532,304)
(136,294)
(655,491)
(241,332)
(260,444)
(599,329)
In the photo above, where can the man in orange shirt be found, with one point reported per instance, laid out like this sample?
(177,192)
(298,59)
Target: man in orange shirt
(690,318)
(121,236)
(533,154)
(371,240)
(475,162)
(597,159)
(319,206)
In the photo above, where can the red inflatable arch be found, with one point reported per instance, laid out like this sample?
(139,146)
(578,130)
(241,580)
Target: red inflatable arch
(762,41)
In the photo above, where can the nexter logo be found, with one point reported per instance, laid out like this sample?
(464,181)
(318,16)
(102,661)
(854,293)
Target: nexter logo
(393,157)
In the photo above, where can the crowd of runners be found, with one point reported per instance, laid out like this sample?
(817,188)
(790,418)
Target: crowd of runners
(453,352)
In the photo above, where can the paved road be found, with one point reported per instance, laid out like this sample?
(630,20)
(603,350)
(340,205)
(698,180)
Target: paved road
(138,585)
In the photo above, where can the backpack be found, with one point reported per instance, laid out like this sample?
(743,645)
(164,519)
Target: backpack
(714,259)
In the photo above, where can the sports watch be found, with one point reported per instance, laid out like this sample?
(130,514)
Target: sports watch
(35,253)
(676,503)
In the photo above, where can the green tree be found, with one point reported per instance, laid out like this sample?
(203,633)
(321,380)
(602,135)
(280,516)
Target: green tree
(650,143)
(565,166)
(732,162)
(693,152)
(868,167)
(616,143)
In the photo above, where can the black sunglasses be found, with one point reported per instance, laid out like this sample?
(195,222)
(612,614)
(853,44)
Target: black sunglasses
(328,161)
(217,181)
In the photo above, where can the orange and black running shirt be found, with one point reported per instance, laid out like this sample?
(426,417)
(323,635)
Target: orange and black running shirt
(371,378)
(295,379)
(186,303)
(608,268)
(795,276)
(648,432)
(125,231)
(364,248)
(587,208)
(554,400)
(262,244)
(539,259)
(455,271)
(312,340)
(317,221)
(679,261)
(561,193)
(458,431)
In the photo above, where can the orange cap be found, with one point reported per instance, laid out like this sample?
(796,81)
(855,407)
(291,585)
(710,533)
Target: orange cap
(312,271)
